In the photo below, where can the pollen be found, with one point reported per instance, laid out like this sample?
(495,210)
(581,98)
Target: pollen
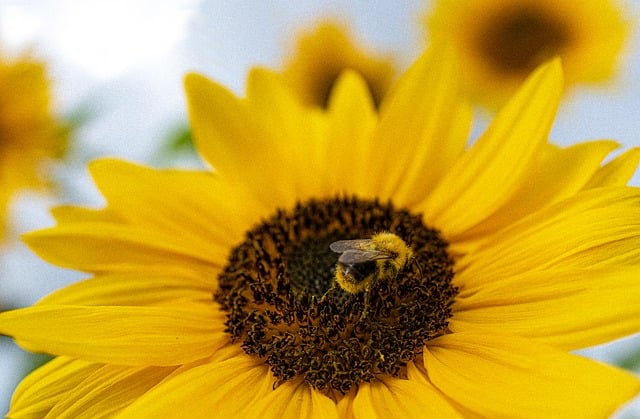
(278,290)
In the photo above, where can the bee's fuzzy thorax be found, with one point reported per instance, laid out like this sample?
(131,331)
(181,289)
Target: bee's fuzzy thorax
(390,241)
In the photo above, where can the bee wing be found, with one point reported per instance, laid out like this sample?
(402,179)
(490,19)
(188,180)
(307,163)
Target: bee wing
(342,246)
(356,256)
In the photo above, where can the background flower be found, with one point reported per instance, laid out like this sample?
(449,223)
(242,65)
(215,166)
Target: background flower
(321,54)
(501,41)
(31,135)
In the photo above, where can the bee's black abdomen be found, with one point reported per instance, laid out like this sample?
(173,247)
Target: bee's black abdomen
(359,271)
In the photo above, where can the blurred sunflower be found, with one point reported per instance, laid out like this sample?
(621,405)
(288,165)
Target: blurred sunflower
(212,294)
(320,56)
(29,132)
(500,42)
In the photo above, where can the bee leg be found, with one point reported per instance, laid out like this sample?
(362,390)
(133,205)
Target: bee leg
(417,264)
(327,292)
(365,310)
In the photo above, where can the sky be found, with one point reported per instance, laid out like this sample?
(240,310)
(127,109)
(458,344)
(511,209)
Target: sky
(121,63)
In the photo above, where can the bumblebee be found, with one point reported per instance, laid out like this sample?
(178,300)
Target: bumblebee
(363,262)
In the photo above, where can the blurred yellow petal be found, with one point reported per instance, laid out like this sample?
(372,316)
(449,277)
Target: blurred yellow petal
(294,399)
(132,289)
(43,388)
(487,175)
(31,136)
(498,375)
(118,334)
(408,155)
(575,165)
(349,145)
(396,398)
(597,227)
(121,247)
(228,136)
(295,136)
(185,214)
(68,214)
(571,310)
(225,389)
(618,171)
(108,390)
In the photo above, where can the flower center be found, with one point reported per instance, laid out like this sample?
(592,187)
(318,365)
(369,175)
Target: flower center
(518,40)
(283,302)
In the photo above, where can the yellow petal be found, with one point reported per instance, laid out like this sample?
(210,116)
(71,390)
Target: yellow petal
(193,205)
(42,389)
(119,335)
(68,214)
(437,152)
(294,133)
(596,227)
(559,174)
(618,171)
(237,143)
(107,391)
(391,397)
(505,376)
(294,399)
(500,161)
(571,310)
(345,405)
(411,148)
(105,247)
(132,290)
(223,389)
(349,143)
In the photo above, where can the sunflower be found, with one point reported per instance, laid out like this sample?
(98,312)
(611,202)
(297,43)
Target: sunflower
(321,54)
(214,294)
(501,41)
(29,132)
